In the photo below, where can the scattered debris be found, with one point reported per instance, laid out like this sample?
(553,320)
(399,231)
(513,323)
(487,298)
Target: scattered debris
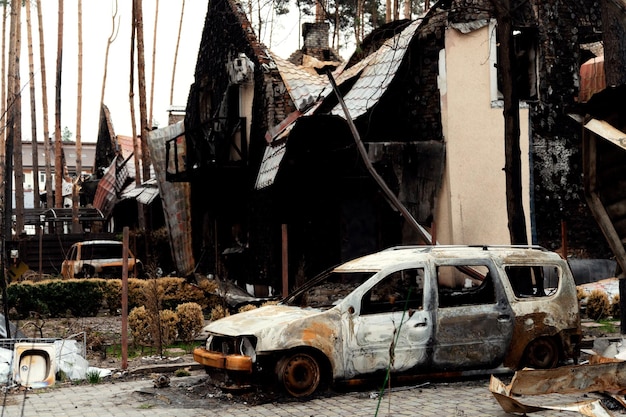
(604,373)
(502,393)
(38,360)
(161,381)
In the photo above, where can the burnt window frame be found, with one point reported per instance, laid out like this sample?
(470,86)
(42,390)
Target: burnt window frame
(526,45)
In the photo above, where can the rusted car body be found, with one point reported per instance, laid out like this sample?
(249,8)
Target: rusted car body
(407,310)
(98,258)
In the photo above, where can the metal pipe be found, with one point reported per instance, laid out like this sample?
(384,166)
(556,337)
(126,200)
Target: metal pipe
(423,233)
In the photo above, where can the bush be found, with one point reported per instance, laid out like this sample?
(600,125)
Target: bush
(615,308)
(85,297)
(169,328)
(140,323)
(56,298)
(112,294)
(219,312)
(598,306)
(190,321)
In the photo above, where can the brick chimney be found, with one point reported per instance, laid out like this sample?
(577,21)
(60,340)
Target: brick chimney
(315,35)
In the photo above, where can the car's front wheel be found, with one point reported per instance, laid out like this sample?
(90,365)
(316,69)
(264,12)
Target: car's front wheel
(299,374)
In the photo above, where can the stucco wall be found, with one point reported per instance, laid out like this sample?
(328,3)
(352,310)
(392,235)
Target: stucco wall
(471,208)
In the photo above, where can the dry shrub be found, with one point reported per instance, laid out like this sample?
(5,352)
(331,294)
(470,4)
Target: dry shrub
(112,293)
(246,307)
(615,307)
(598,306)
(219,312)
(169,328)
(140,323)
(190,321)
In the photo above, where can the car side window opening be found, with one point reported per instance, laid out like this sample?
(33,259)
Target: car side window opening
(462,285)
(397,291)
(529,281)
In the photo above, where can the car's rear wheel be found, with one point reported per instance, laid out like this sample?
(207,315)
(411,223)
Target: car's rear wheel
(299,374)
(87,272)
(542,353)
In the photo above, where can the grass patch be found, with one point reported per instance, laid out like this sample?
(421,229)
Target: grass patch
(609,326)
(173,350)
(93,377)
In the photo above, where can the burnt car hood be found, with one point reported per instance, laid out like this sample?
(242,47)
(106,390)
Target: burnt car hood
(261,320)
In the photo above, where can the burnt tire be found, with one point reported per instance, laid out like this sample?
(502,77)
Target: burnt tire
(299,374)
(87,272)
(542,353)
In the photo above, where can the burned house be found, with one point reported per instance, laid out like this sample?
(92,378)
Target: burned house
(278,188)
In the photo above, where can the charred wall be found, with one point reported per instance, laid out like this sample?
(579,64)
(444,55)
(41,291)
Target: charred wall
(223,204)
(556,138)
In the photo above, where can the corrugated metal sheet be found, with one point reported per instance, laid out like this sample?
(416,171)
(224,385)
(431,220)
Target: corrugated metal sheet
(110,185)
(144,193)
(175,199)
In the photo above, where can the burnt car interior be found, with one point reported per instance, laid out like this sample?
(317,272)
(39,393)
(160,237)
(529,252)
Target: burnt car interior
(401,290)
(457,287)
(532,281)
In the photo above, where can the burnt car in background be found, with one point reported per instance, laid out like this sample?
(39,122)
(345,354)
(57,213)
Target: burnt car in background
(99,259)
(419,310)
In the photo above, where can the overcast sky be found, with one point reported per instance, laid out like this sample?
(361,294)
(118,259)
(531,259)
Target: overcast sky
(97,24)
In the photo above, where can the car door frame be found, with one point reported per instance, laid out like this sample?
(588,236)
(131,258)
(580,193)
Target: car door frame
(473,336)
(369,338)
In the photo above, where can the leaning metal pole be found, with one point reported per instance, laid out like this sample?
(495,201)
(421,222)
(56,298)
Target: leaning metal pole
(423,233)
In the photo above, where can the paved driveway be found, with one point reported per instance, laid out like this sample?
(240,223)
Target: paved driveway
(189,396)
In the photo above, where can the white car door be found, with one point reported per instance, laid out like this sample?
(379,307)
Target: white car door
(390,329)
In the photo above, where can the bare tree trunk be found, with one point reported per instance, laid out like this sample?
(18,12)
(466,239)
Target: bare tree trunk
(180,27)
(141,74)
(143,119)
(33,107)
(614,39)
(79,111)
(3,133)
(44,101)
(59,172)
(407,9)
(512,151)
(154,45)
(11,98)
(112,37)
(388,11)
(18,170)
(131,98)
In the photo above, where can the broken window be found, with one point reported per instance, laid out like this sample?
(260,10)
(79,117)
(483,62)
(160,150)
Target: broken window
(525,65)
(530,281)
(462,285)
(400,290)
(328,289)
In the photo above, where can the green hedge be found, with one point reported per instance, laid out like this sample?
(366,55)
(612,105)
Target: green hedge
(86,297)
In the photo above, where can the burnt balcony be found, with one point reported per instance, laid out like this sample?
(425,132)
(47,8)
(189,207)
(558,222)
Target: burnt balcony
(220,143)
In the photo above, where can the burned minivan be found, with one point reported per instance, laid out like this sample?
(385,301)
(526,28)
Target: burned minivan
(416,310)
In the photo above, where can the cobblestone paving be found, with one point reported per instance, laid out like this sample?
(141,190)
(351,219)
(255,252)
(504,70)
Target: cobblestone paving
(140,398)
